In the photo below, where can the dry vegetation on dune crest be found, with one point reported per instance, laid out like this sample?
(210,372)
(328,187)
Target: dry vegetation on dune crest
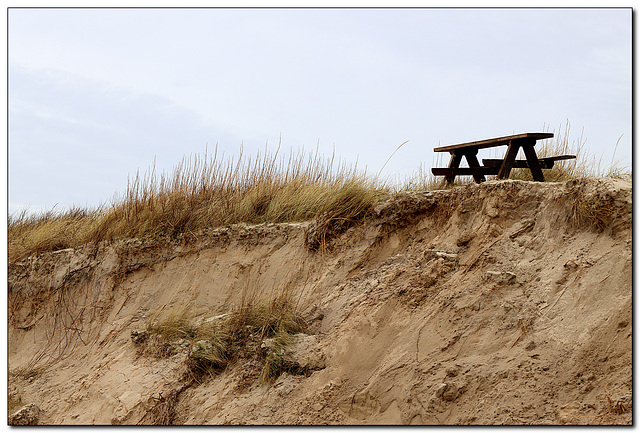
(205,192)
(208,191)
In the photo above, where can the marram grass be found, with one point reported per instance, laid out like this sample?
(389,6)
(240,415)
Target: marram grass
(205,192)
(208,191)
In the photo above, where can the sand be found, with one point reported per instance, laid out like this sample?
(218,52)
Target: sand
(508,302)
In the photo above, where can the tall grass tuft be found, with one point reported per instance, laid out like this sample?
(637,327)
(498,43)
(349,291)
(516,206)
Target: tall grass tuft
(203,192)
(210,192)
(218,341)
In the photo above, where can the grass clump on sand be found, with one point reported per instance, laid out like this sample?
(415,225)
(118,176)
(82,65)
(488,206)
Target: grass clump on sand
(217,342)
(205,192)
(211,345)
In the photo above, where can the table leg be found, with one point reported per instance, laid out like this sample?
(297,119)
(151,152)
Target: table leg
(472,159)
(509,159)
(533,161)
(454,162)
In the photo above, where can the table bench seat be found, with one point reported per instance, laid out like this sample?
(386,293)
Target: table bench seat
(545,163)
(466,171)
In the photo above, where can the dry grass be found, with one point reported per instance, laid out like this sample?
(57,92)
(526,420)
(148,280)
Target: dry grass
(213,344)
(220,341)
(592,212)
(210,191)
(163,331)
(240,333)
(266,318)
(32,234)
(173,326)
(205,192)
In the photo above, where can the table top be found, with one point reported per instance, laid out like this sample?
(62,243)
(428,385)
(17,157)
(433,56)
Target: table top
(493,142)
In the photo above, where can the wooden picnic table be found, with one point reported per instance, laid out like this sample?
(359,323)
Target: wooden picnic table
(500,167)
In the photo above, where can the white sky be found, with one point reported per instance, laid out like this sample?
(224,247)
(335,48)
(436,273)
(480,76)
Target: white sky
(96,94)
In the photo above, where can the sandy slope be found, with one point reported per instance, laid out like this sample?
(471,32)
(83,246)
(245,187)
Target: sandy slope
(498,303)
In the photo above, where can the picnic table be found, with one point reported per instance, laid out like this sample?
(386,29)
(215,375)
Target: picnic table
(500,167)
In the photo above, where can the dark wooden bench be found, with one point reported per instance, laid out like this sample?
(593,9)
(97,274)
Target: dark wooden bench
(545,163)
(497,167)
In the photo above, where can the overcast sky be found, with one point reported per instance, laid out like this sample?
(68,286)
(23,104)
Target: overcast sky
(96,94)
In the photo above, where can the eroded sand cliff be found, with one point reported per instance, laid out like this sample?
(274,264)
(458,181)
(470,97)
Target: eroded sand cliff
(501,303)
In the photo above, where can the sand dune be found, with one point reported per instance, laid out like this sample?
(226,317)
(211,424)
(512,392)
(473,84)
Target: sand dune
(508,302)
